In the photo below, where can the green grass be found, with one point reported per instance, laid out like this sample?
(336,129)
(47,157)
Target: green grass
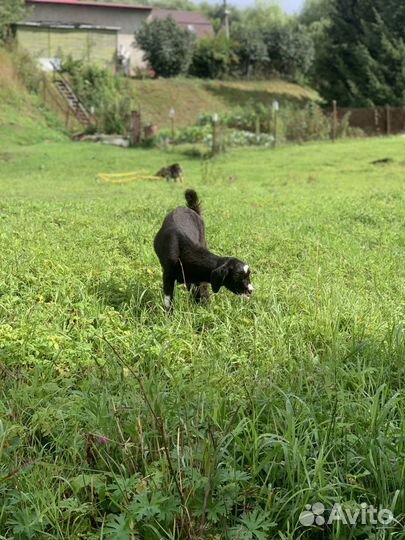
(23,119)
(120,422)
(192,97)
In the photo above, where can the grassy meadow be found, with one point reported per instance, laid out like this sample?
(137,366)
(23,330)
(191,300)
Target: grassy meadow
(120,422)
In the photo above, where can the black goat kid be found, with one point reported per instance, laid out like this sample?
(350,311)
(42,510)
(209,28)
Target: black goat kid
(182,249)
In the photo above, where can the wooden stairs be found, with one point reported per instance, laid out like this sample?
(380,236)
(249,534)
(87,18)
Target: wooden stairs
(73,102)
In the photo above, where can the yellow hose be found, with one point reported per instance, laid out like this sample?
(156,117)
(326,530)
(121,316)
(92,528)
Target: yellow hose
(125,178)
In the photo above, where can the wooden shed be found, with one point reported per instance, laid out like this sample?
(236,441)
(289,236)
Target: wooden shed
(96,45)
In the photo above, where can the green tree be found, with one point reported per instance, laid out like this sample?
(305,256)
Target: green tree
(363,59)
(215,13)
(213,58)
(11,12)
(316,17)
(251,50)
(110,96)
(315,11)
(264,15)
(290,50)
(167,47)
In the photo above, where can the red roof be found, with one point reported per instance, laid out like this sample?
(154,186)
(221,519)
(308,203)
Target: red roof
(88,3)
(192,20)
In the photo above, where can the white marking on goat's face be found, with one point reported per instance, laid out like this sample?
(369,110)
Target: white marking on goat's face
(246,268)
(250,288)
(167,301)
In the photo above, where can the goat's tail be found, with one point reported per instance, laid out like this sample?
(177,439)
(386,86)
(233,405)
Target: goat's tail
(192,200)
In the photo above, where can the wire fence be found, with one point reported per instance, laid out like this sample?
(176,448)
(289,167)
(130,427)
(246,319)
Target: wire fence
(373,121)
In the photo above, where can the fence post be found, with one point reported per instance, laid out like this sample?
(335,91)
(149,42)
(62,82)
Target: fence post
(172,115)
(135,131)
(44,87)
(334,120)
(276,108)
(376,121)
(257,125)
(388,119)
(214,122)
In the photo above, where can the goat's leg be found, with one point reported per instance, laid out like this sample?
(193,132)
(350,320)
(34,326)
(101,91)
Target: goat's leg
(168,289)
(204,292)
(200,292)
(194,289)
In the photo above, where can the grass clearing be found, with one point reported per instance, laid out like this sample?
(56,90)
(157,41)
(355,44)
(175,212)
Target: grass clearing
(119,422)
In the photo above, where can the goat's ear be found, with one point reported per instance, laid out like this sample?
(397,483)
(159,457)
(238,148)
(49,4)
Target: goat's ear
(218,277)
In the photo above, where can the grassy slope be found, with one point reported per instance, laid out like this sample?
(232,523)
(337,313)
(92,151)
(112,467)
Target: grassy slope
(295,397)
(191,98)
(22,119)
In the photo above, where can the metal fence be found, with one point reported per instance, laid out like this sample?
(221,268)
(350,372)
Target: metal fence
(373,121)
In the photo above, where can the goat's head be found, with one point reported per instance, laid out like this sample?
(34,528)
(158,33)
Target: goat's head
(234,275)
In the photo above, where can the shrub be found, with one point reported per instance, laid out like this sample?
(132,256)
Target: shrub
(244,118)
(253,125)
(290,50)
(168,47)
(246,138)
(11,12)
(27,70)
(294,123)
(344,129)
(251,51)
(144,73)
(307,123)
(226,137)
(109,95)
(214,58)
(193,134)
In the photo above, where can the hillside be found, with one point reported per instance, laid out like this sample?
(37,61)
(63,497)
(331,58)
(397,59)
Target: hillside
(23,120)
(192,97)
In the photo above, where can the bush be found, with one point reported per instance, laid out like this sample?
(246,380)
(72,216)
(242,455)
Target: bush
(290,50)
(226,137)
(308,123)
(109,95)
(214,58)
(246,118)
(251,51)
(246,138)
(27,70)
(253,125)
(11,12)
(168,47)
(143,73)
(294,123)
(193,134)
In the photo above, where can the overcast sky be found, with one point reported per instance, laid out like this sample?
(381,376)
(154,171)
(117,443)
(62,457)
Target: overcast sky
(290,6)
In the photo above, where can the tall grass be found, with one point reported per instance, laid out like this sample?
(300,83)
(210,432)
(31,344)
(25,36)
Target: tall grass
(119,422)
